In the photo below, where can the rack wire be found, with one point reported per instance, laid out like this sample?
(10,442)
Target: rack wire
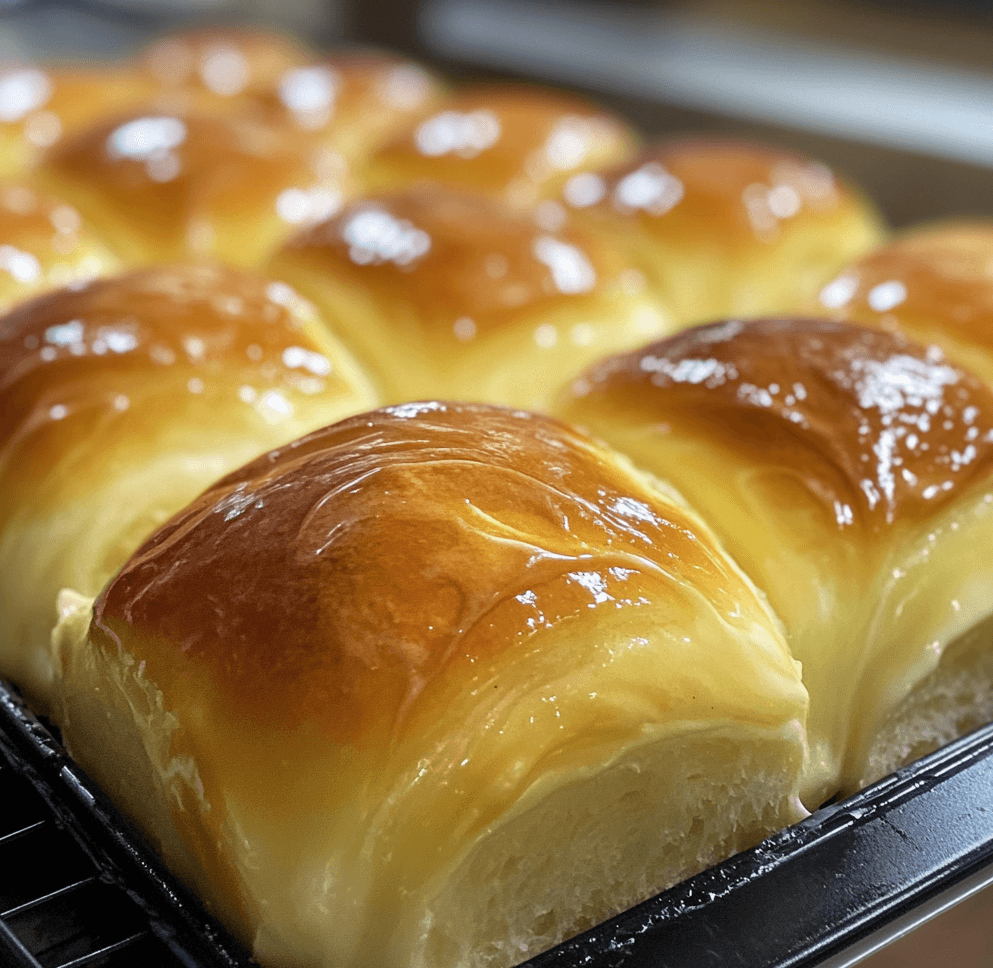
(78,887)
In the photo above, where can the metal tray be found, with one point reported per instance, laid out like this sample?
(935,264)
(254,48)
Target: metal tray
(78,887)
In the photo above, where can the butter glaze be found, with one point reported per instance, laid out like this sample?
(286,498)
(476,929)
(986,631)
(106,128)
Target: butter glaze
(935,284)
(45,245)
(447,256)
(224,330)
(167,186)
(219,67)
(751,190)
(395,549)
(725,227)
(849,472)
(120,400)
(355,101)
(451,294)
(39,106)
(390,663)
(880,427)
(518,144)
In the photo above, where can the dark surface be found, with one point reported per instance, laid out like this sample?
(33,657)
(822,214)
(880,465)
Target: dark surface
(79,888)
(818,887)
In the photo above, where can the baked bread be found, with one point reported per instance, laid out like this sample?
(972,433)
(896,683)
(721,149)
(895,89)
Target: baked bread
(518,144)
(163,187)
(45,245)
(355,100)
(438,685)
(40,105)
(219,69)
(119,402)
(850,473)
(451,295)
(933,283)
(445,683)
(723,228)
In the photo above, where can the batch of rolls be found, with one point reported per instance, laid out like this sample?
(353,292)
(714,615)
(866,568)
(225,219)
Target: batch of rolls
(441,520)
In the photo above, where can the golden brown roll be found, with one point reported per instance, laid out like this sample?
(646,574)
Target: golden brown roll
(40,105)
(119,402)
(850,473)
(517,144)
(450,295)
(45,245)
(934,283)
(727,228)
(216,69)
(168,186)
(438,685)
(354,100)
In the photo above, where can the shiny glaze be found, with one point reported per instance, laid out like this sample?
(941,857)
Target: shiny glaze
(94,352)
(459,265)
(750,192)
(726,228)
(879,428)
(354,100)
(39,106)
(935,284)
(216,67)
(45,245)
(171,186)
(407,552)
(516,143)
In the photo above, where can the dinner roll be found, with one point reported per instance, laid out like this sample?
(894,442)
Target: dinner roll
(45,245)
(163,187)
(934,283)
(451,295)
(850,473)
(217,69)
(355,100)
(40,105)
(438,685)
(723,228)
(515,143)
(123,399)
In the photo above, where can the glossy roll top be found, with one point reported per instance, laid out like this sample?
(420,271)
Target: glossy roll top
(39,106)
(448,294)
(45,245)
(220,69)
(122,399)
(355,100)
(469,642)
(517,144)
(934,283)
(166,186)
(849,471)
(723,228)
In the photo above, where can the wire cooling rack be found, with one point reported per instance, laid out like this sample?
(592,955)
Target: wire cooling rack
(78,888)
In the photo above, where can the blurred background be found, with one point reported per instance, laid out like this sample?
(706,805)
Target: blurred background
(897,95)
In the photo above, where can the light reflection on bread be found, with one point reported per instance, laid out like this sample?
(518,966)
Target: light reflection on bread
(449,667)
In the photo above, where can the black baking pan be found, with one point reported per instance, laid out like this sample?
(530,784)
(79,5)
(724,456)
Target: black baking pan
(79,889)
